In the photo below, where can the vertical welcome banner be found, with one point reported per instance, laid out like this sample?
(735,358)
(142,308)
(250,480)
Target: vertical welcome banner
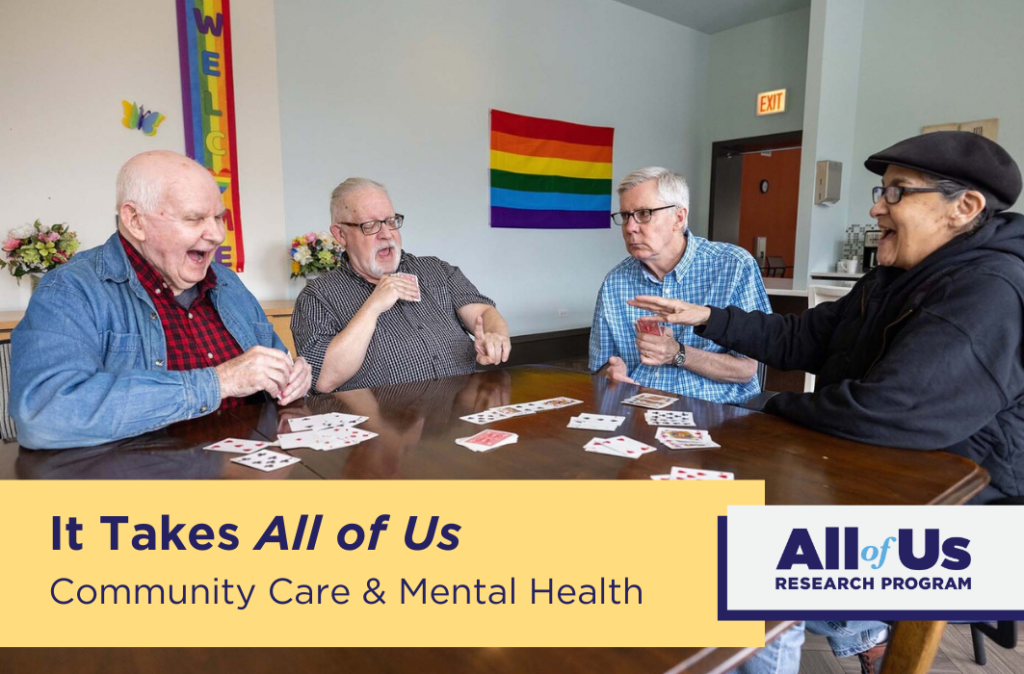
(547,174)
(208,103)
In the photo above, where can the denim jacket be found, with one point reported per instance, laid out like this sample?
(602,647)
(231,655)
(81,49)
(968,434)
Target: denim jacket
(87,360)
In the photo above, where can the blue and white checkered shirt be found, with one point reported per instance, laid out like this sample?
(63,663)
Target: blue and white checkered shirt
(710,273)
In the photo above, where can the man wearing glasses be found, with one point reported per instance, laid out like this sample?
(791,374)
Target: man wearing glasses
(667,260)
(385,316)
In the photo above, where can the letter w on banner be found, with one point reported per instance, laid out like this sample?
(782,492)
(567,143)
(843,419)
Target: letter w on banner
(208,103)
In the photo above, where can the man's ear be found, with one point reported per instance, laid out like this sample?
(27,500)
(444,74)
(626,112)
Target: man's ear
(680,221)
(131,220)
(339,233)
(968,206)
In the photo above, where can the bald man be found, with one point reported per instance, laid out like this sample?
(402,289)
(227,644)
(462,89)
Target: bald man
(145,331)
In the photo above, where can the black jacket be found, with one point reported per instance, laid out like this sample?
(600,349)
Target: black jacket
(924,358)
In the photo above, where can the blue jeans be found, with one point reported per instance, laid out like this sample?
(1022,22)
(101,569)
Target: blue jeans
(782,656)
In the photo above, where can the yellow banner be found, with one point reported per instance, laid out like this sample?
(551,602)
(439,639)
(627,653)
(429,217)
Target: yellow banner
(339,563)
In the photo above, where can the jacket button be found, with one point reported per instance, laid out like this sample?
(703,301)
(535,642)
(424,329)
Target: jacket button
(152,316)
(159,363)
(203,408)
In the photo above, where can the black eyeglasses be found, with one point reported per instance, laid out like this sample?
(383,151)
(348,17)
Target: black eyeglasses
(642,215)
(371,227)
(893,193)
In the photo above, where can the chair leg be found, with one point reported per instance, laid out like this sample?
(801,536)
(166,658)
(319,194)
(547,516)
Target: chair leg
(979,644)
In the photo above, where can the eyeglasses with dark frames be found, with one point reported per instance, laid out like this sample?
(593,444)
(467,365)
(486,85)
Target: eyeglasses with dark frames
(894,193)
(371,227)
(641,215)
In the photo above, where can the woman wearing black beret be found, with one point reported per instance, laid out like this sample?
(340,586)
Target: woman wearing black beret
(925,352)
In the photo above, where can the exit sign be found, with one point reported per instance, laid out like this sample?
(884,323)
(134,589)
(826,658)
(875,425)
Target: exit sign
(771,102)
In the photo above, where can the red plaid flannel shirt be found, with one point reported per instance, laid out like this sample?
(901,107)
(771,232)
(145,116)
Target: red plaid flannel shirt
(196,337)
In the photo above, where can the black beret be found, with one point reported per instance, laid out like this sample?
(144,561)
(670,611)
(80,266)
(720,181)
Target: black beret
(967,158)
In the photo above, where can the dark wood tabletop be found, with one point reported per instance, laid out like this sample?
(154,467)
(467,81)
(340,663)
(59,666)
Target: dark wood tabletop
(417,424)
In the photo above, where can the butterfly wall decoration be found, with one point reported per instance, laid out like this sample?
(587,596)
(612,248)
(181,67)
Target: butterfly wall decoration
(137,117)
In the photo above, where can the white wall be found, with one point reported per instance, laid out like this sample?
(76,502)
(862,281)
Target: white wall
(933,61)
(742,62)
(65,68)
(399,91)
(834,51)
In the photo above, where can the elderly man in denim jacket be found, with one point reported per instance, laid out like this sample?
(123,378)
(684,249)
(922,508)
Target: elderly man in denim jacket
(144,331)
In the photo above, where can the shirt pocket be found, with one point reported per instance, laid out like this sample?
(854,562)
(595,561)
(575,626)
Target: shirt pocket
(121,352)
(264,333)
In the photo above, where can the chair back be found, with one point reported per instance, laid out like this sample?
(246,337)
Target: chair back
(817,294)
(8,432)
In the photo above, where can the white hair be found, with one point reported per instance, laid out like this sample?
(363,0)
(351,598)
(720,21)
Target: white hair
(350,186)
(672,187)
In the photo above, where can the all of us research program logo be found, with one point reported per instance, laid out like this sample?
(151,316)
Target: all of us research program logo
(869,562)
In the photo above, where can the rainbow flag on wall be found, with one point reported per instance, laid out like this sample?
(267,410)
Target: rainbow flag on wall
(547,174)
(208,102)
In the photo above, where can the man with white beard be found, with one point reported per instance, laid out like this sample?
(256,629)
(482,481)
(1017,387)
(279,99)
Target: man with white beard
(385,316)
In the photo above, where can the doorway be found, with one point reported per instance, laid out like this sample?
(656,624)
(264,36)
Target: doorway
(755,185)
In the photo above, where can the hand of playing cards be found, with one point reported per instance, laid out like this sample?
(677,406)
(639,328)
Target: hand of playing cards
(411,278)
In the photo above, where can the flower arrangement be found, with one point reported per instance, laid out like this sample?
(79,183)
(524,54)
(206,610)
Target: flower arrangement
(314,253)
(38,248)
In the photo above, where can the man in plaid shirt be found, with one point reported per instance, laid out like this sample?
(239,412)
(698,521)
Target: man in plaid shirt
(145,331)
(386,316)
(667,260)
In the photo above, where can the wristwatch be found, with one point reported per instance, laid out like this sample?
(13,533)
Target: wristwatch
(680,358)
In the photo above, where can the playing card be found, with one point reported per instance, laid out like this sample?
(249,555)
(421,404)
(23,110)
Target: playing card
(330,420)
(236,446)
(485,417)
(668,418)
(414,279)
(296,440)
(509,411)
(336,438)
(650,327)
(649,400)
(679,473)
(619,445)
(266,460)
(552,404)
(596,422)
(665,476)
(488,439)
(685,438)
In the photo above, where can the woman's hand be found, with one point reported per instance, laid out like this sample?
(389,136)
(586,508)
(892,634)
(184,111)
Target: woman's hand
(671,311)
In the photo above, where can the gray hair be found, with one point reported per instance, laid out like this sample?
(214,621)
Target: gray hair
(952,190)
(347,188)
(672,187)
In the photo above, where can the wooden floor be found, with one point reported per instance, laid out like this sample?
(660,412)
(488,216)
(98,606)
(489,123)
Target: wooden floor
(956,656)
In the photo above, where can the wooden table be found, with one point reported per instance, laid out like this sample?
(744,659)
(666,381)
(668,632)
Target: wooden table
(418,423)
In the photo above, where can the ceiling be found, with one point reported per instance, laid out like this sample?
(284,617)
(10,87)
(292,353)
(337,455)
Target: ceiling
(712,16)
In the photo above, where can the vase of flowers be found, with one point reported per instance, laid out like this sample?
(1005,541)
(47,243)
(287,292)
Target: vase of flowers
(32,250)
(313,254)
